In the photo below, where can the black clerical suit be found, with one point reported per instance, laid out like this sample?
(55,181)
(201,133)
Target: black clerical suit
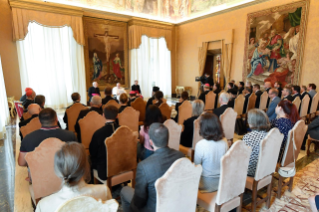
(279,92)
(188,132)
(208,80)
(107,99)
(25,122)
(258,94)
(246,102)
(295,95)
(231,103)
(240,90)
(98,150)
(289,97)
(202,96)
(219,111)
(65,117)
(136,88)
(93,90)
(268,100)
(149,102)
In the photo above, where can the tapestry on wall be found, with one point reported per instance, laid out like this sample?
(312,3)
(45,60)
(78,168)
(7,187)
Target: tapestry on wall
(106,47)
(274,44)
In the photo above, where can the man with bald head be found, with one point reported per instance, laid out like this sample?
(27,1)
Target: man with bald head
(96,103)
(30,98)
(267,87)
(33,110)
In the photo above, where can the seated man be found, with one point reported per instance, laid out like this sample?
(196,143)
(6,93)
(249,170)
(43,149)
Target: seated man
(295,92)
(34,110)
(230,86)
(94,90)
(40,100)
(132,97)
(312,90)
(96,103)
(123,102)
(258,93)
(304,93)
(278,87)
(49,129)
(203,94)
(108,96)
(241,87)
(24,97)
(223,101)
(233,95)
(76,98)
(150,100)
(267,86)
(234,85)
(97,146)
(286,92)
(271,112)
(143,197)
(117,91)
(247,92)
(136,87)
(313,131)
(29,100)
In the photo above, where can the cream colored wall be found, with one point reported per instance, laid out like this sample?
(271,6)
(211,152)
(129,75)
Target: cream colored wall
(8,52)
(187,56)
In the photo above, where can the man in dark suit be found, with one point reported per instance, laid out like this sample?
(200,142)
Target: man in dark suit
(296,92)
(267,86)
(40,100)
(258,93)
(49,129)
(230,85)
(286,92)
(207,79)
(203,94)
(271,112)
(94,90)
(278,87)
(234,84)
(247,95)
(143,197)
(76,98)
(136,87)
(150,100)
(241,87)
(34,110)
(97,145)
(303,92)
(96,103)
(223,101)
(108,96)
(30,94)
(233,95)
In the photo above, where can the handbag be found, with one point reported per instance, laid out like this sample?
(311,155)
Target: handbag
(287,171)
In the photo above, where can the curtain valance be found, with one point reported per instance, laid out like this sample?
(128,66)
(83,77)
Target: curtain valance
(136,32)
(22,17)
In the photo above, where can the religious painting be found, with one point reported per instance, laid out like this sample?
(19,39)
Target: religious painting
(106,47)
(274,44)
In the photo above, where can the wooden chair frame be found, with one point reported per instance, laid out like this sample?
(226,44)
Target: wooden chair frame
(256,202)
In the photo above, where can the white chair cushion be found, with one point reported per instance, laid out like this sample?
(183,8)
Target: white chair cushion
(123,177)
(262,183)
(207,201)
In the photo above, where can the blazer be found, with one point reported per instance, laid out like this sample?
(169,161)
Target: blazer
(188,132)
(147,172)
(93,90)
(65,117)
(219,111)
(279,92)
(289,98)
(294,96)
(136,88)
(107,99)
(268,100)
(240,90)
(246,103)
(271,113)
(258,94)
(313,128)
(149,102)
(231,103)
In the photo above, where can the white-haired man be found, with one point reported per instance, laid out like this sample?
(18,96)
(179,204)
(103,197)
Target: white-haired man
(223,101)
(118,90)
(94,90)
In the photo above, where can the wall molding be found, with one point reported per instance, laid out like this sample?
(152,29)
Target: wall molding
(226,35)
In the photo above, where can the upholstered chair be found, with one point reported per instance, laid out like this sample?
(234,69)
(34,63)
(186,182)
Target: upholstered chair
(175,131)
(129,117)
(41,165)
(33,125)
(139,104)
(87,203)
(267,161)
(309,142)
(210,98)
(297,102)
(251,102)
(233,173)
(313,107)
(73,114)
(89,124)
(26,115)
(111,102)
(295,138)
(239,104)
(304,107)
(218,104)
(165,110)
(185,111)
(177,189)
(228,121)
(263,100)
(121,162)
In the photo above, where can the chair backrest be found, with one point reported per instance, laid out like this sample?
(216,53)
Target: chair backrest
(33,125)
(41,165)
(228,121)
(314,103)
(263,100)
(185,111)
(295,136)
(139,104)
(19,108)
(234,165)
(196,136)
(239,104)
(297,102)
(304,106)
(251,102)
(175,131)
(268,153)
(89,124)
(111,102)
(87,203)
(171,189)
(129,117)
(73,114)
(26,115)
(210,98)
(218,103)
(121,151)
(165,110)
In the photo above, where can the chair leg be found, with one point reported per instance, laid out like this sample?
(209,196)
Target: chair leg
(254,197)
(217,208)
(279,187)
(291,182)
(108,183)
(268,195)
(308,142)
(241,203)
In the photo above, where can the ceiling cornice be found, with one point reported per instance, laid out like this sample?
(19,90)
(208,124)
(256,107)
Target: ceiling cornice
(150,23)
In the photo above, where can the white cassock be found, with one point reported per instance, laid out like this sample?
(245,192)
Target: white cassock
(117,92)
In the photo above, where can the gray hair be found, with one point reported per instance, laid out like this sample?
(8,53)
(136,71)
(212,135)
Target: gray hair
(96,100)
(198,107)
(224,97)
(71,164)
(258,120)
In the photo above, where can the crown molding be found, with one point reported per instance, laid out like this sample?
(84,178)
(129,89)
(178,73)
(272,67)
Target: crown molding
(150,23)
(106,15)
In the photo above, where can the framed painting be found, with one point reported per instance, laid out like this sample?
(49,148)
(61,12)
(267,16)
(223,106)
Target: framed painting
(105,52)
(274,44)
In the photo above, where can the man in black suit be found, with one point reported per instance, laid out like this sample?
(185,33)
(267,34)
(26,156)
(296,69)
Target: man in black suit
(49,129)
(203,94)
(233,95)
(76,98)
(97,145)
(150,100)
(108,96)
(223,101)
(258,93)
(143,197)
(247,92)
(207,79)
(234,84)
(230,85)
(267,86)
(286,92)
(296,92)
(136,87)
(34,110)
(96,103)
(278,87)
(94,90)
(241,87)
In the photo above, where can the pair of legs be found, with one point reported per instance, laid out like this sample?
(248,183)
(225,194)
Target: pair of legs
(127,194)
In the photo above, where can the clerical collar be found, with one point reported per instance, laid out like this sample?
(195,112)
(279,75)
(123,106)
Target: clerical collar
(50,128)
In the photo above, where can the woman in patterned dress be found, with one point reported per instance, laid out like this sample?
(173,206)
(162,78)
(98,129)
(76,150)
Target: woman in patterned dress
(259,124)
(287,116)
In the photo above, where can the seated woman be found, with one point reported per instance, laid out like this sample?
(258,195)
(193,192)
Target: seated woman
(187,134)
(287,116)
(259,124)
(209,151)
(123,102)
(158,98)
(71,165)
(183,97)
(153,114)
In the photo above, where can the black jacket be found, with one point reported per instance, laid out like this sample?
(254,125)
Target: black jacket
(188,132)
(313,128)
(107,99)
(258,94)
(279,92)
(93,90)
(294,96)
(208,80)
(240,90)
(176,108)
(136,88)
(147,172)
(268,100)
(231,103)
(25,122)
(219,111)
(289,97)
(149,102)
(65,117)
(246,103)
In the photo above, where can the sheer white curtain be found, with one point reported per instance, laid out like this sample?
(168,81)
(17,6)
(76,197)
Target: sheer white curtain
(4,109)
(151,65)
(52,63)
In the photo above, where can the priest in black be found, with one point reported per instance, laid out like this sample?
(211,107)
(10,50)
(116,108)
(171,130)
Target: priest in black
(202,96)
(247,95)
(223,101)
(108,96)
(94,90)
(233,95)
(278,87)
(241,87)
(258,93)
(136,87)
(206,78)
(150,100)
(76,98)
